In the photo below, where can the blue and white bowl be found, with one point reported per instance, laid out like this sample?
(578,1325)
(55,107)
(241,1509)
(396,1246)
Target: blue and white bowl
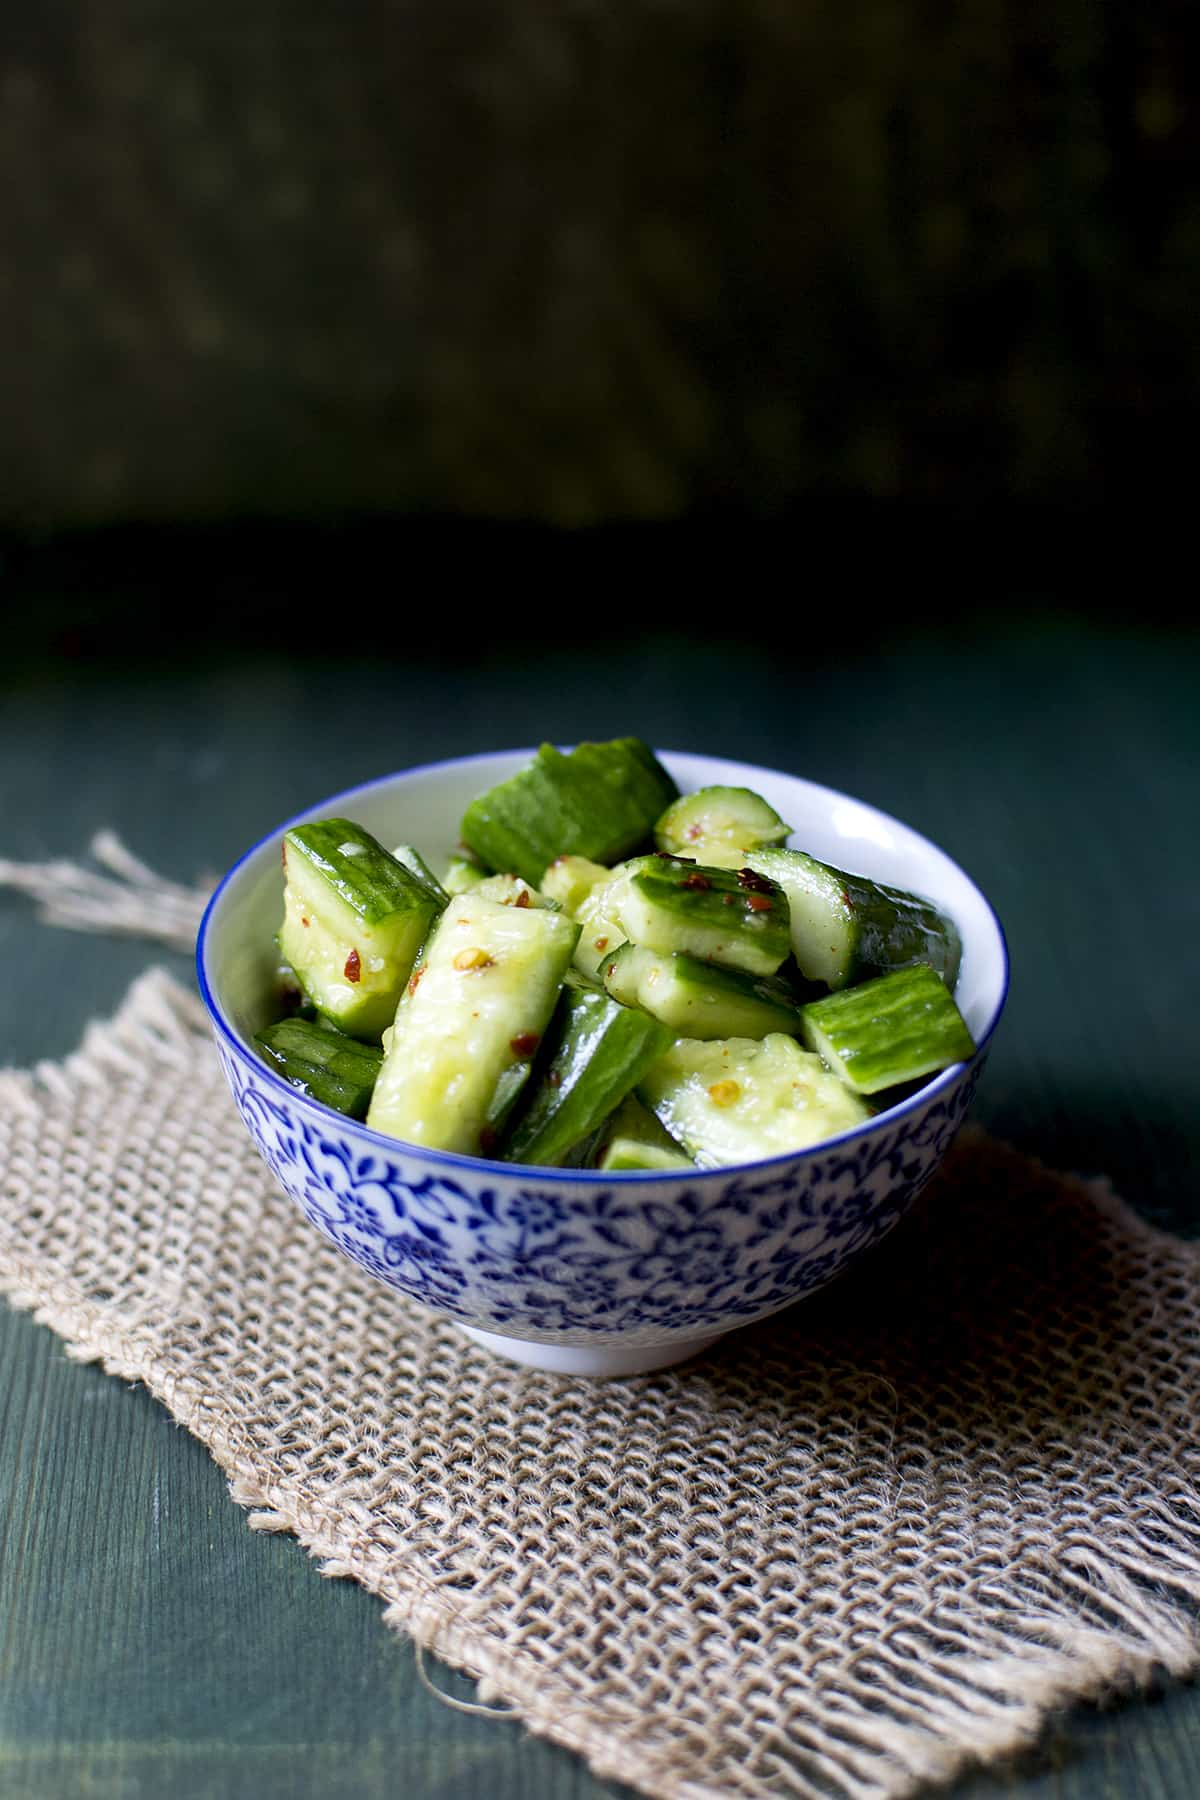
(565,1269)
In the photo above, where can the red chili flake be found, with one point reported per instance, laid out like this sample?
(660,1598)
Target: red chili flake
(413,980)
(353,969)
(522,898)
(487,1140)
(525,1043)
(697,880)
(694,832)
(555,1078)
(728,899)
(600,944)
(304,921)
(750,878)
(759,902)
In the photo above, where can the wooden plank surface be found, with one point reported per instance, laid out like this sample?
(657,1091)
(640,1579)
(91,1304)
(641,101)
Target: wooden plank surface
(151,1644)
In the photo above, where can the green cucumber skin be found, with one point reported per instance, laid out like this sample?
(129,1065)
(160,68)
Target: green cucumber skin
(881,928)
(411,859)
(700,999)
(636,1129)
(670,905)
(332,1068)
(598,1052)
(598,800)
(893,1029)
(718,825)
(356,865)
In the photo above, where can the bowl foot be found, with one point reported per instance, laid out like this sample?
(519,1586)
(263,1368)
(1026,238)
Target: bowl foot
(604,1362)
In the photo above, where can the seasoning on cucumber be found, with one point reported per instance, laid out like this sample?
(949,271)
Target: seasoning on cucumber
(598,1052)
(470,1024)
(700,999)
(335,1069)
(598,800)
(718,825)
(737,918)
(846,928)
(888,1031)
(354,919)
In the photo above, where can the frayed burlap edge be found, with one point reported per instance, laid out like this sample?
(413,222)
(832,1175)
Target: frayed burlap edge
(159,1019)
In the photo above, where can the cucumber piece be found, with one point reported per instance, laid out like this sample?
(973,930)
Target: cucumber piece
(510,890)
(632,1138)
(572,880)
(462,873)
(888,1031)
(699,999)
(412,860)
(598,800)
(598,1052)
(847,928)
(736,1100)
(470,1024)
(739,919)
(353,921)
(717,825)
(335,1069)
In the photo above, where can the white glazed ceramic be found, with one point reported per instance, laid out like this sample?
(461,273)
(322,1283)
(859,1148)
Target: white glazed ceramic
(570,1270)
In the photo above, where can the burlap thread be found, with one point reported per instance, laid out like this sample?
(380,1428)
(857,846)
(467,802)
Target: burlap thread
(852,1550)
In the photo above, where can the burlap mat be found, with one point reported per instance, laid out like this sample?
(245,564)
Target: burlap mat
(847,1553)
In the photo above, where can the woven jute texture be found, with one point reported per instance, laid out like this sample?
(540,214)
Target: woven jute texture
(850,1551)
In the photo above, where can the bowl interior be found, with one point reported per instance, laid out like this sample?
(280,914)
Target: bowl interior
(423,807)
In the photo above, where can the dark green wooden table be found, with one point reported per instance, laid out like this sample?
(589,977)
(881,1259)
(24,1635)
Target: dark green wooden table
(150,1643)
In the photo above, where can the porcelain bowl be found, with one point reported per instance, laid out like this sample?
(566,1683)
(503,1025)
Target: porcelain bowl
(571,1270)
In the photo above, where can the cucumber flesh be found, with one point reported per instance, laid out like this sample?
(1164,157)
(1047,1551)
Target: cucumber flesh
(846,928)
(717,825)
(470,1024)
(598,1051)
(737,1100)
(510,890)
(462,873)
(699,999)
(571,880)
(354,920)
(738,919)
(628,1155)
(888,1031)
(333,1068)
(412,860)
(598,800)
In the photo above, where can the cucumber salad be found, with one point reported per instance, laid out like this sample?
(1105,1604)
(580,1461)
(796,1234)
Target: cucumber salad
(608,975)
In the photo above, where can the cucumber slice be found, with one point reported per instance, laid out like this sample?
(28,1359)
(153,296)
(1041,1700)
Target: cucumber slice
(510,890)
(462,873)
(353,921)
(847,928)
(470,1023)
(599,801)
(333,1068)
(888,1031)
(412,860)
(739,919)
(571,880)
(736,1100)
(599,1051)
(699,999)
(717,825)
(632,1138)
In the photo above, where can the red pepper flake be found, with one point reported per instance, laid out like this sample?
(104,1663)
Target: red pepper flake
(487,1140)
(522,898)
(525,1043)
(413,979)
(759,902)
(694,832)
(555,1078)
(600,944)
(750,878)
(698,881)
(728,899)
(353,969)
(304,921)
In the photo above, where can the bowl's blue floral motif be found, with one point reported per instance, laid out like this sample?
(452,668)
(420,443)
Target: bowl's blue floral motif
(579,1263)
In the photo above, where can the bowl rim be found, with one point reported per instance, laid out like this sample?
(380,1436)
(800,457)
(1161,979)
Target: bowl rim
(596,1179)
